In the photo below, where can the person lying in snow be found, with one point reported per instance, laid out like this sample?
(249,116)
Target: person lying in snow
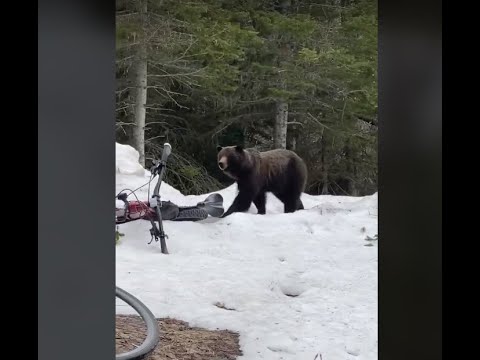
(136,210)
(156,210)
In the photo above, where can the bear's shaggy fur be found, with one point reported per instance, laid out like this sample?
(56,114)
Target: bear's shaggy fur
(279,171)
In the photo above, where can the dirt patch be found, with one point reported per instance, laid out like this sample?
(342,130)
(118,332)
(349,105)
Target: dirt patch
(178,341)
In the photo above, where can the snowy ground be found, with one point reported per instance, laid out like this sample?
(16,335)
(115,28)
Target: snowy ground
(251,263)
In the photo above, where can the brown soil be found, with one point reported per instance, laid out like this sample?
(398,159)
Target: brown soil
(178,341)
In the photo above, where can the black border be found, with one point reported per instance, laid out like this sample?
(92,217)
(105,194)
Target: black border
(76,173)
(410,180)
(76,180)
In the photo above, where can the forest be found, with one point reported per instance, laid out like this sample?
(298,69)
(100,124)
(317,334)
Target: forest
(294,74)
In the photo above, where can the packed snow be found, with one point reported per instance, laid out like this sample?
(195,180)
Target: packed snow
(293,286)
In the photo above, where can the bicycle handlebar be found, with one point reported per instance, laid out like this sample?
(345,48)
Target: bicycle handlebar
(167,150)
(158,168)
(158,165)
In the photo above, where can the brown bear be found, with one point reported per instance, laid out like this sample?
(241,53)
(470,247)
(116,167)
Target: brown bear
(279,171)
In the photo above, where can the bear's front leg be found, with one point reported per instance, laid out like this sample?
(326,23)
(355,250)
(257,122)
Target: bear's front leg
(241,203)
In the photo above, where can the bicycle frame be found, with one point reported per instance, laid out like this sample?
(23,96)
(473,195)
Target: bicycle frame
(158,168)
(151,210)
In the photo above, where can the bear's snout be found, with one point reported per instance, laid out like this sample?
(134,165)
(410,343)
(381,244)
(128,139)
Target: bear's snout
(222,163)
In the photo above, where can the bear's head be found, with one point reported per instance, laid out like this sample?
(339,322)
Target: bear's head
(233,160)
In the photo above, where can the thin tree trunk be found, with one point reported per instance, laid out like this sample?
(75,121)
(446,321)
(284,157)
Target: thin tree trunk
(353,184)
(324,167)
(280,129)
(141,88)
(325,183)
(353,188)
(281,106)
(285,6)
(351,169)
(338,4)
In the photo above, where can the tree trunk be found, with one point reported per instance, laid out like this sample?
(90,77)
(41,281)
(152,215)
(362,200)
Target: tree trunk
(281,106)
(353,183)
(351,169)
(352,188)
(339,4)
(325,183)
(284,6)
(141,88)
(324,167)
(280,130)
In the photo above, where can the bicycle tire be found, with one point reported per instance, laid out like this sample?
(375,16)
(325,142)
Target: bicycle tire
(153,334)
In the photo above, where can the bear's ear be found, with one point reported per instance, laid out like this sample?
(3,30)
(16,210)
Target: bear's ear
(239,148)
(219,148)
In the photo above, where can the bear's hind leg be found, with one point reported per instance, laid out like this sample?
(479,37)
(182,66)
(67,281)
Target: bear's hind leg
(260,202)
(300,205)
(289,202)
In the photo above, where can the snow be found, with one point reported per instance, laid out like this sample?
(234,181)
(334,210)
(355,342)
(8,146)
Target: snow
(297,285)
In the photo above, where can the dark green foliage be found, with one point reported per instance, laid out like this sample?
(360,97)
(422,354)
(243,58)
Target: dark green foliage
(216,69)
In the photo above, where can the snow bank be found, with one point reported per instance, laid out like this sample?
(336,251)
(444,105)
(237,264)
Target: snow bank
(297,284)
